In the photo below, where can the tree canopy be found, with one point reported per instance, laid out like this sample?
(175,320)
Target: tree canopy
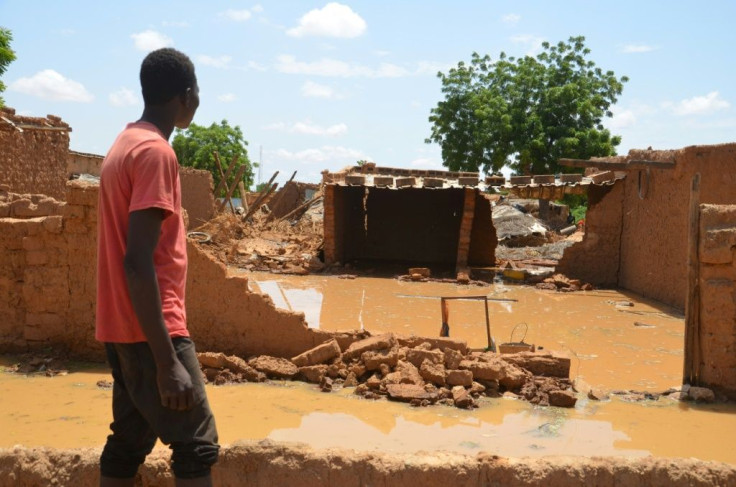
(7,56)
(526,112)
(195,146)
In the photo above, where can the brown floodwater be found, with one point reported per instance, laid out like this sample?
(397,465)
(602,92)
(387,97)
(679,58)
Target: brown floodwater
(71,411)
(612,347)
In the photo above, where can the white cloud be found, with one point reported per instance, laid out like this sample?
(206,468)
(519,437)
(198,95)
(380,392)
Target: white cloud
(310,89)
(256,67)
(50,85)
(699,105)
(511,19)
(621,119)
(150,40)
(123,98)
(636,48)
(533,43)
(332,20)
(227,97)
(332,67)
(325,154)
(236,15)
(215,62)
(257,8)
(381,53)
(67,32)
(309,128)
(431,68)
(175,23)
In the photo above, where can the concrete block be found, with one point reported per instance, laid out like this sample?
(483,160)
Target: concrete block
(544,179)
(520,180)
(433,182)
(571,178)
(468,181)
(355,180)
(403,182)
(602,177)
(383,181)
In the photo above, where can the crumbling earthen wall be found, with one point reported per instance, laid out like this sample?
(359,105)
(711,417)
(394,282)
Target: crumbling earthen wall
(33,153)
(654,235)
(285,200)
(48,287)
(224,316)
(596,258)
(197,195)
(83,163)
(268,464)
(653,223)
(47,271)
(717,310)
(483,238)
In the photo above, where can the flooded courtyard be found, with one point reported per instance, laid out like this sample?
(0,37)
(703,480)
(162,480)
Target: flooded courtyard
(615,340)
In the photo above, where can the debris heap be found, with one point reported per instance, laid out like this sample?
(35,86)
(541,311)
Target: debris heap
(417,370)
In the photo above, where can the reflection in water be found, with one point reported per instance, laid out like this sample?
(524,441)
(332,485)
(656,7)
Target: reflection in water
(608,344)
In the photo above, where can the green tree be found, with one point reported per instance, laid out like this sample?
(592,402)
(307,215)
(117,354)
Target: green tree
(526,112)
(7,56)
(196,145)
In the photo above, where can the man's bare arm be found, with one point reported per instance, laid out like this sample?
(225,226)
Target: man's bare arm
(174,382)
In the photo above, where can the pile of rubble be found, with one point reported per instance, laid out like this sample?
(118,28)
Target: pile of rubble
(262,244)
(561,283)
(417,370)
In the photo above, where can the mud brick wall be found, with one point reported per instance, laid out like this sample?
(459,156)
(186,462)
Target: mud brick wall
(286,199)
(197,195)
(81,163)
(48,287)
(717,256)
(655,229)
(596,258)
(483,238)
(47,271)
(33,154)
(652,230)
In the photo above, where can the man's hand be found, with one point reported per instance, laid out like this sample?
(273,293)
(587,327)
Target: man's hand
(175,387)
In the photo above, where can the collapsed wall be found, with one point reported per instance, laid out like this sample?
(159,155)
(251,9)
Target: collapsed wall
(597,257)
(716,304)
(48,287)
(197,195)
(652,233)
(33,153)
(268,463)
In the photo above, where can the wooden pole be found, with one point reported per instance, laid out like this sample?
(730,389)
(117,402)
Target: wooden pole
(223,178)
(300,207)
(691,366)
(277,197)
(241,188)
(232,188)
(262,196)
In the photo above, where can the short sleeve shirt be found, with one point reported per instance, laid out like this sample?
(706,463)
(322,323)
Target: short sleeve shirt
(139,172)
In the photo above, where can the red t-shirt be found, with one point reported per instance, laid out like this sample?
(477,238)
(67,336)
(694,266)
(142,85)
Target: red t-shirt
(140,171)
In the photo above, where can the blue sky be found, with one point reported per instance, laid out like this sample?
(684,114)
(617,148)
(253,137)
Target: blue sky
(320,85)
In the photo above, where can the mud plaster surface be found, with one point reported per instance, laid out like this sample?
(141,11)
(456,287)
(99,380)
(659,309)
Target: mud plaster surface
(269,464)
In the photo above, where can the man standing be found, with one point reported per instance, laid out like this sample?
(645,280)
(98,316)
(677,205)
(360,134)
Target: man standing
(158,389)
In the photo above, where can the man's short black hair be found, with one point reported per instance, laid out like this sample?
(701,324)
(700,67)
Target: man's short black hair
(166,73)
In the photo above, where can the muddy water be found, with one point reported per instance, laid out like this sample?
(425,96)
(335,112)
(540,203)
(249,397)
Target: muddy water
(612,346)
(609,351)
(71,411)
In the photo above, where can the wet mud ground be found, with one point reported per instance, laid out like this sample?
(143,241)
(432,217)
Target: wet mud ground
(614,346)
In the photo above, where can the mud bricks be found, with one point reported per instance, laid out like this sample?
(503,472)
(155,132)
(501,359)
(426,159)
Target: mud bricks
(717,256)
(47,277)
